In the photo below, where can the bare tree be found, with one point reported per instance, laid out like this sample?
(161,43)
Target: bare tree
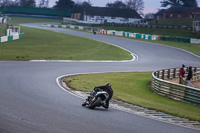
(137,5)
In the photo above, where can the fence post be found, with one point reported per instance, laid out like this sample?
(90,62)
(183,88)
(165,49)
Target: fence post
(168,76)
(174,75)
(163,74)
(158,74)
(195,69)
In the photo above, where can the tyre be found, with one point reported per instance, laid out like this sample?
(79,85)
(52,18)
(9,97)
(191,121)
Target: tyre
(84,103)
(96,102)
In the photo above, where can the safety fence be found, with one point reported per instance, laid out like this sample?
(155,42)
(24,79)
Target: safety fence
(129,34)
(12,37)
(143,25)
(175,91)
(149,37)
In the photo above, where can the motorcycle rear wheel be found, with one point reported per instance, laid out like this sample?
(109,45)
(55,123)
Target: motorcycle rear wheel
(95,103)
(84,103)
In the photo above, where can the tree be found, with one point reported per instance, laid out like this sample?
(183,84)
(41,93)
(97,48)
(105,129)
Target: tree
(27,3)
(190,3)
(5,3)
(64,4)
(166,3)
(149,16)
(44,3)
(79,7)
(117,4)
(86,4)
(184,3)
(137,5)
(16,2)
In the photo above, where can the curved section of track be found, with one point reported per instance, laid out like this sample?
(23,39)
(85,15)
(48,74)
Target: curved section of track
(31,101)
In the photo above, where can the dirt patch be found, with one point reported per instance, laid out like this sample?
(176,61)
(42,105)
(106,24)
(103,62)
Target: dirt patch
(195,84)
(68,84)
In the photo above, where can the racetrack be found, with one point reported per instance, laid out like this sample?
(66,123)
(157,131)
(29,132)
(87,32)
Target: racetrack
(32,102)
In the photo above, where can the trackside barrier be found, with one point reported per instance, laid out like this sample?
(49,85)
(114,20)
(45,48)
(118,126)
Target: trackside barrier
(196,41)
(76,27)
(10,38)
(129,34)
(173,90)
(15,37)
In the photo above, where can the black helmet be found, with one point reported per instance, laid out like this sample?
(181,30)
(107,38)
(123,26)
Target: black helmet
(108,84)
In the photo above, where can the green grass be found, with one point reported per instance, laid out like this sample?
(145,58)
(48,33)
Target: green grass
(48,45)
(2,30)
(193,48)
(132,88)
(20,20)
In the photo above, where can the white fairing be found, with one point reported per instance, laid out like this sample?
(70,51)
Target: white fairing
(103,93)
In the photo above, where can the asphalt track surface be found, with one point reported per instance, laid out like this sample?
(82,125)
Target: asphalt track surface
(32,102)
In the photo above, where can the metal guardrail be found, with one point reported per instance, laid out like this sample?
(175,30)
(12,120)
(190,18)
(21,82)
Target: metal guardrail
(173,90)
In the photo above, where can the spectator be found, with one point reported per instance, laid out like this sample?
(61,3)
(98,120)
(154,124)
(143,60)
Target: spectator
(182,73)
(189,75)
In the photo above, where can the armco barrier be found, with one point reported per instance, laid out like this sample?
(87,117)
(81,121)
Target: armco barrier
(134,35)
(15,37)
(10,38)
(173,90)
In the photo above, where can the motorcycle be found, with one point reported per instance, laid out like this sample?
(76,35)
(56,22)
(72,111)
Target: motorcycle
(97,98)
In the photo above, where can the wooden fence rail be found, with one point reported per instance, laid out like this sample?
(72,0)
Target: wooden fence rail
(173,90)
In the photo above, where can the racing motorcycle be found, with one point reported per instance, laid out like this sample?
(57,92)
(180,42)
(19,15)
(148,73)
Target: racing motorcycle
(96,98)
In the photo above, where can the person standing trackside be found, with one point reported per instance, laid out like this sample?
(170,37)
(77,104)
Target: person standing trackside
(182,73)
(189,75)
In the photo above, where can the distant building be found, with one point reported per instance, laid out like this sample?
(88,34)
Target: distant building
(178,12)
(76,16)
(110,15)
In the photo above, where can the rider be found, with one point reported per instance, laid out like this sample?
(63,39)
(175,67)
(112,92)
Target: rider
(107,88)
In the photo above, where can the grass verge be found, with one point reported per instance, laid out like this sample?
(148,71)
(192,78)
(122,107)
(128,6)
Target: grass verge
(132,87)
(48,45)
(20,20)
(193,48)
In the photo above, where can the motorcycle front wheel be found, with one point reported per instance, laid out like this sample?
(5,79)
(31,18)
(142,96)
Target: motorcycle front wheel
(96,102)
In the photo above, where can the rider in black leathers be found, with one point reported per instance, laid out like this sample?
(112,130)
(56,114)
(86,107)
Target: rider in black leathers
(107,88)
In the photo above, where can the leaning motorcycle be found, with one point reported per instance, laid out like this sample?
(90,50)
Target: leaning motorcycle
(97,98)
